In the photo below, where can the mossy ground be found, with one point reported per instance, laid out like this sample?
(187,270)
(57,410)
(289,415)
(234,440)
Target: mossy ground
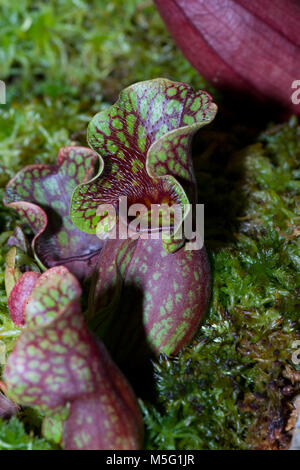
(233,387)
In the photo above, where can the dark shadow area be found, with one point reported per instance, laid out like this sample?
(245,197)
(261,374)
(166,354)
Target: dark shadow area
(124,335)
(219,168)
(250,108)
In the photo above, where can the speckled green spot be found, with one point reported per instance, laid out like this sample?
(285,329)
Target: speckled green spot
(130,122)
(171,91)
(196,104)
(63,238)
(141,138)
(117,123)
(188,120)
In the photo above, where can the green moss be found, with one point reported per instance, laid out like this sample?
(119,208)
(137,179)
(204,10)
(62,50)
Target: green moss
(231,388)
(13,436)
(63,61)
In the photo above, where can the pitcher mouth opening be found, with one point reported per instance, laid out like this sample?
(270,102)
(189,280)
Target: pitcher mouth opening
(138,218)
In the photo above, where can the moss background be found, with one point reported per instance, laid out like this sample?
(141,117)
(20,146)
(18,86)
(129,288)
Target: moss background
(63,61)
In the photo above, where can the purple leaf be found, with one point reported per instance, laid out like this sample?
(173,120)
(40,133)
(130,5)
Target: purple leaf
(144,145)
(146,298)
(57,366)
(41,195)
(250,48)
(19,295)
